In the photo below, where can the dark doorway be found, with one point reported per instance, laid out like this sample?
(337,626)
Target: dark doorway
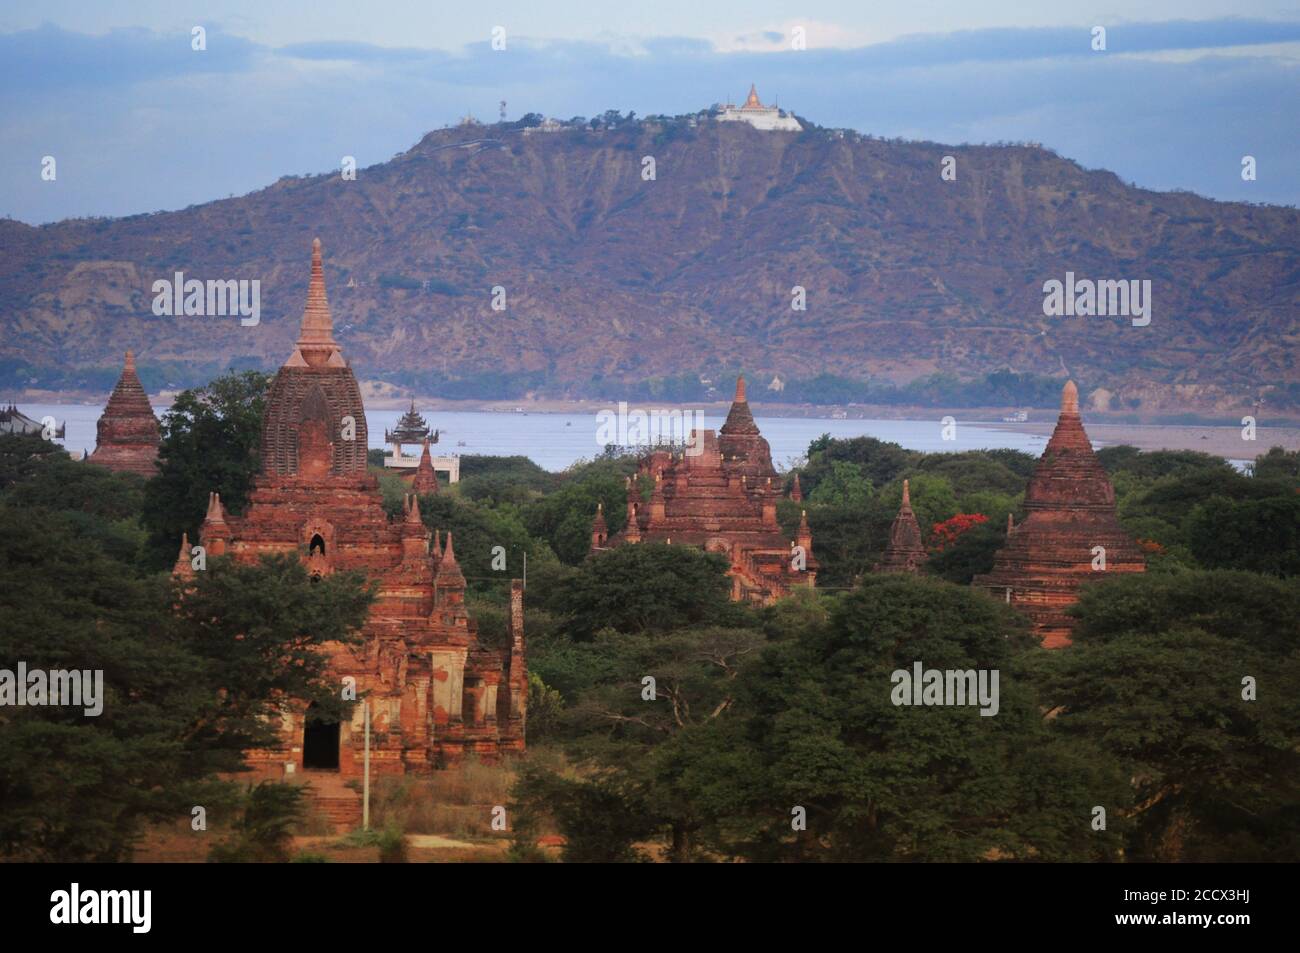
(320,742)
(317,545)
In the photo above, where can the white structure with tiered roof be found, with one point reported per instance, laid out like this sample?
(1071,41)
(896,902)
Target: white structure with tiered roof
(768,118)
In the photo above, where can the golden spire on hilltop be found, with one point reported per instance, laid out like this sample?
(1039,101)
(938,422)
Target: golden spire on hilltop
(752,101)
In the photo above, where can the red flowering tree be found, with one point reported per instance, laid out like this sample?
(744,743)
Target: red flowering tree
(944,534)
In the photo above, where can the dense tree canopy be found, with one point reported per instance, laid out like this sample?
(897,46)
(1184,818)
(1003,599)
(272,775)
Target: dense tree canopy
(210,442)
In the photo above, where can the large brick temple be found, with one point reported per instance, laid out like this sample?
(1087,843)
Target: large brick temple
(436,690)
(1070,511)
(127,434)
(723,499)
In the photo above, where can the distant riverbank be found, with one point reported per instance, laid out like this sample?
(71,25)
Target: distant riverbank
(555,440)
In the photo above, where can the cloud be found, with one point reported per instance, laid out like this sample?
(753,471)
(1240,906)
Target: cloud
(49,59)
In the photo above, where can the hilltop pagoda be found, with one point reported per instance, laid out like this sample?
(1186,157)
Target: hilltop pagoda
(436,691)
(127,433)
(767,118)
(1070,535)
(720,494)
(904,552)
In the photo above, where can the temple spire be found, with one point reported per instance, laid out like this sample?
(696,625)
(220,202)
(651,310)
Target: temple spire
(216,513)
(1069,398)
(426,478)
(739,418)
(316,344)
(183,565)
(905,551)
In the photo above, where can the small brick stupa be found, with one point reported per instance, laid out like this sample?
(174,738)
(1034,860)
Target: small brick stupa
(127,432)
(1070,512)
(436,691)
(425,480)
(722,499)
(905,552)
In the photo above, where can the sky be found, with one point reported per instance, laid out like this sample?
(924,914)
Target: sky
(138,121)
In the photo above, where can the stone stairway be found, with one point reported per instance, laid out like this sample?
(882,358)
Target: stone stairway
(334,800)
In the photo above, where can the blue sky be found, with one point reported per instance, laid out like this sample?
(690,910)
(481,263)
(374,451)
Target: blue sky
(138,121)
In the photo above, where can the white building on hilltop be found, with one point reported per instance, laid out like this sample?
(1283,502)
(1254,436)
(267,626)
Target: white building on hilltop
(758,115)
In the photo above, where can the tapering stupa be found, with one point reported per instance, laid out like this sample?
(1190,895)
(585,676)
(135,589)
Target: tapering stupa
(723,499)
(425,480)
(437,693)
(904,552)
(1070,534)
(127,435)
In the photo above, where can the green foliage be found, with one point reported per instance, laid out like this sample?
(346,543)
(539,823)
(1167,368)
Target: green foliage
(476,529)
(563,518)
(210,442)
(1258,535)
(545,708)
(846,485)
(23,454)
(97,504)
(971,554)
(643,588)
(600,821)
(980,471)
(1156,678)
(189,683)
(933,500)
(392,846)
(884,782)
(881,462)
(1278,463)
(264,832)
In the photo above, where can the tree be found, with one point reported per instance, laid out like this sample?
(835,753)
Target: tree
(969,554)
(1257,535)
(818,733)
(1278,463)
(210,443)
(1157,677)
(633,728)
(846,485)
(932,499)
(881,462)
(189,681)
(647,587)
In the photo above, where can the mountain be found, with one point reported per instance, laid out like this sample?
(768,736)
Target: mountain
(611,278)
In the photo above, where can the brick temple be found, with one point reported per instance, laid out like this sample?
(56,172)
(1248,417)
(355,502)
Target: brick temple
(1070,510)
(904,552)
(722,499)
(437,692)
(127,434)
